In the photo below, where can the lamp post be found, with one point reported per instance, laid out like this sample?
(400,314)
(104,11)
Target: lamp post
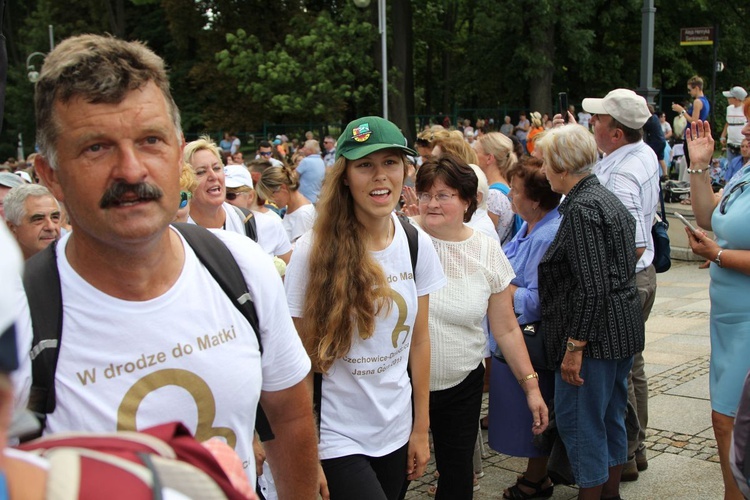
(33,74)
(362,4)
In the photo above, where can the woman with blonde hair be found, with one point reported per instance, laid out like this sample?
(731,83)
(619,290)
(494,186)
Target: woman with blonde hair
(281,186)
(452,142)
(495,156)
(208,207)
(537,126)
(360,305)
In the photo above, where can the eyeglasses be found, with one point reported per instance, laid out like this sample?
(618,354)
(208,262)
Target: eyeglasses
(441,198)
(184,197)
(265,153)
(725,200)
(232,196)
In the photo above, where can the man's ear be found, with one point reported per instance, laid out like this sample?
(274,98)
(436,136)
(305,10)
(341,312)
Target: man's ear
(48,177)
(11,227)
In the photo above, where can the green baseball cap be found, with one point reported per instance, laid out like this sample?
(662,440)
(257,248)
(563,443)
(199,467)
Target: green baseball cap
(369,134)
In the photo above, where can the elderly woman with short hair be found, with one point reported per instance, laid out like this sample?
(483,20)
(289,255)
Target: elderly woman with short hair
(591,312)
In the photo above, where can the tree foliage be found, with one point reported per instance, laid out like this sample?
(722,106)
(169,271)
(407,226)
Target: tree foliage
(237,64)
(320,70)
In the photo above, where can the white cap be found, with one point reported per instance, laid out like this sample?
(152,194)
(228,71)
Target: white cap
(623,105)
(736,92)
(24,175)
(237,176)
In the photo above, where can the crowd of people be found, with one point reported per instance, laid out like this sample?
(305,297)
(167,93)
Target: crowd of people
(378,289)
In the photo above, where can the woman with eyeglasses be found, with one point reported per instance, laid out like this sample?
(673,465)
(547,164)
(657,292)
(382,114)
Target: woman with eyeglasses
(281,186)
(479,279)
(360,305)
(726,216)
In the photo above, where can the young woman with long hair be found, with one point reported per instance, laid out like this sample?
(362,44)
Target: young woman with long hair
(361,308)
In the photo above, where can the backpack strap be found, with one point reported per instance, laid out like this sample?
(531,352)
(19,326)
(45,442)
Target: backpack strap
(412,237)
(43,290)
(222,266)
(251,229)
(41,280)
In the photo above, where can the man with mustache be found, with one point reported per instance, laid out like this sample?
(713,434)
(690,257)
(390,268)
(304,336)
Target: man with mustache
(148,335)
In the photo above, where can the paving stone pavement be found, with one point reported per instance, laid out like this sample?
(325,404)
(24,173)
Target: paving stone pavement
(682,453)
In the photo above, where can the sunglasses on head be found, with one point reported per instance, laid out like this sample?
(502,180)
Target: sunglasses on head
(184,197)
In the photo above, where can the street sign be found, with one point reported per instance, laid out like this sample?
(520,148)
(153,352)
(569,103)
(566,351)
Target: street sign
(696,36)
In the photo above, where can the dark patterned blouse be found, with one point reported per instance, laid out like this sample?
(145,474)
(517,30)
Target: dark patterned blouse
(587,277)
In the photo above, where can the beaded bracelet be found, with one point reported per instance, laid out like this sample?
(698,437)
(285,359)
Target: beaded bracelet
(528,377)
(696,171)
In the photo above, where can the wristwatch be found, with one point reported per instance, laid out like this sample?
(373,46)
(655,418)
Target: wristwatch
(573,347)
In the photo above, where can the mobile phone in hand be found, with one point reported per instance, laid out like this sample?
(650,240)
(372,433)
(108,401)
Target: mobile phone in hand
(685,221)
(563,99)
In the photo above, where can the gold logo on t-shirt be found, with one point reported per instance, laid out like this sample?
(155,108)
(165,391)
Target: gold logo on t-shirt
(193,384)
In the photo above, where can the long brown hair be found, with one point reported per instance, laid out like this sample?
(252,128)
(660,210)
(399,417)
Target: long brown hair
(347,287)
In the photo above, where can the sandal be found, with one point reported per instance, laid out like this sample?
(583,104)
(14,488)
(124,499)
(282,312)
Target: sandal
(516,493)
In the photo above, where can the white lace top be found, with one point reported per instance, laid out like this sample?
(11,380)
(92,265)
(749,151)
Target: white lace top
(476,268)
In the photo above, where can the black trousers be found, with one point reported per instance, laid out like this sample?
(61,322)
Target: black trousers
(454,421)
(366,478)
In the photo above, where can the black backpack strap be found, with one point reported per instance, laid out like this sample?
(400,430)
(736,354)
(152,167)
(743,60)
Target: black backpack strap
(222,266)
(41,281)
(317,396)
(412,236)
(251,230)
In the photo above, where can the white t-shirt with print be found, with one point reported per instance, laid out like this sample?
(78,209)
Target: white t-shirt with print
(187,355)
(272,236)
(299,222)
(366,396)
(476,268)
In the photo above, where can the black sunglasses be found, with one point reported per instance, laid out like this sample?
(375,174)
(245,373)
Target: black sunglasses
(232,196)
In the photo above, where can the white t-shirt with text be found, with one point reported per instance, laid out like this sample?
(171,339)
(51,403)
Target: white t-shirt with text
(187,355)
(366,395)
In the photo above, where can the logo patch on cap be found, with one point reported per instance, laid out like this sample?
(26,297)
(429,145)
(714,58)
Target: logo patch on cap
(361,133)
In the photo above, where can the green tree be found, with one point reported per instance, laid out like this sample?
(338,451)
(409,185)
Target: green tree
(322,70)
